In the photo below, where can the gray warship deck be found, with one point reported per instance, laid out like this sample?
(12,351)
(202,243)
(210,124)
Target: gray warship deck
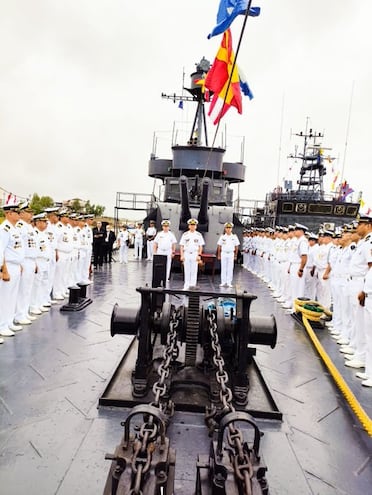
(53,437)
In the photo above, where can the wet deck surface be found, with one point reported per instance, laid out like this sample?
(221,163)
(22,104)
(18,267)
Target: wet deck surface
(53,438)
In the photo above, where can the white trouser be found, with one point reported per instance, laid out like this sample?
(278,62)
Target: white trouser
(310,284)
(51,273)
(40,291)
(227,267)
(286,282)
(150,250)
(73,272)
(8,295)
(368,328)
(190,268)
(357,338)
(336,291)
(61,275)
(80,268)
(346,311)
(86,264)
(297,283)
(25,289)
(323,289)
(123,253)
(138,245)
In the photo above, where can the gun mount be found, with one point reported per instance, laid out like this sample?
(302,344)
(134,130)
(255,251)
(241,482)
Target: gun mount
(194,356)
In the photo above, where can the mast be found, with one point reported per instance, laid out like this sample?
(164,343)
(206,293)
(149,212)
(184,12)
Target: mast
(310,182)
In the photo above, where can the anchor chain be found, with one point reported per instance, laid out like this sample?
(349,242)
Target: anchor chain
(239,452)
(143,446)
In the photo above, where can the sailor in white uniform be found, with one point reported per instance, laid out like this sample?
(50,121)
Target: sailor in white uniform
(51,231)
(64,248)
(298,262)
(11,240)
(227,251)
(323,287)
(359,266)
(26,282)
(88,232)
(165,244)
(150,236)
(310,282)
(366,298)
(191,248)
(138,241)
(40,291)
(81,274)
(123,244)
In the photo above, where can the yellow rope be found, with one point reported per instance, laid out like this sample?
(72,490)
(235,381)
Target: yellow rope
(360,413)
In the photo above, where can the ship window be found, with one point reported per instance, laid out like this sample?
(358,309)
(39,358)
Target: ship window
(352,211)
(321,208)
(287,207)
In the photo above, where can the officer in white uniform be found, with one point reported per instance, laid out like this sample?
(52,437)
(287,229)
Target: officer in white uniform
(138,241)
(309,271)
(26,282)
(87,228)
(227,251)
(40,290)
(11,240)
(323,287)
(150,236)
(359,266)
(291,256)
(165,244)
(64,248)
(81,274)
(366,298)
(298,263)
(123,244)
(51,231)
(191,248)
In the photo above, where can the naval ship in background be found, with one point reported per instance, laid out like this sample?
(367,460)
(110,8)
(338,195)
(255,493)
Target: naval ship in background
(308,203)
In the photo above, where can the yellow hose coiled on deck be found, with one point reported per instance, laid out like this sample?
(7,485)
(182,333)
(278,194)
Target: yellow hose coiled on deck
(360,413)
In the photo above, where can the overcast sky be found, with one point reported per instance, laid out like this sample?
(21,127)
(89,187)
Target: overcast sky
(81,84)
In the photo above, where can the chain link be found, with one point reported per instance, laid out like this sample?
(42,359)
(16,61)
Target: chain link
(144,444)
(239,457)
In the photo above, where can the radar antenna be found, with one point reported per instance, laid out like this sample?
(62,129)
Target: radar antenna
(200,95)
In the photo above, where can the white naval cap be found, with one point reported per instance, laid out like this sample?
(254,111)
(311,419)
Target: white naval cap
(313,236)
(40,216)
(192,221)
(299,226)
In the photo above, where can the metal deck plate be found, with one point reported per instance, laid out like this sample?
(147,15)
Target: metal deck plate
(53,439)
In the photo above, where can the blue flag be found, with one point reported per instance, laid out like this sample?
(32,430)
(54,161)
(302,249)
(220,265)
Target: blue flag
(246,90)
(227,12)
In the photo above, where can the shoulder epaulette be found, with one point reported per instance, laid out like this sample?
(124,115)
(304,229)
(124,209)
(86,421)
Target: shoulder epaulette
(6,227)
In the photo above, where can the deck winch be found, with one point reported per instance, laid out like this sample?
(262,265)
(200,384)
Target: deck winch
(191,356)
